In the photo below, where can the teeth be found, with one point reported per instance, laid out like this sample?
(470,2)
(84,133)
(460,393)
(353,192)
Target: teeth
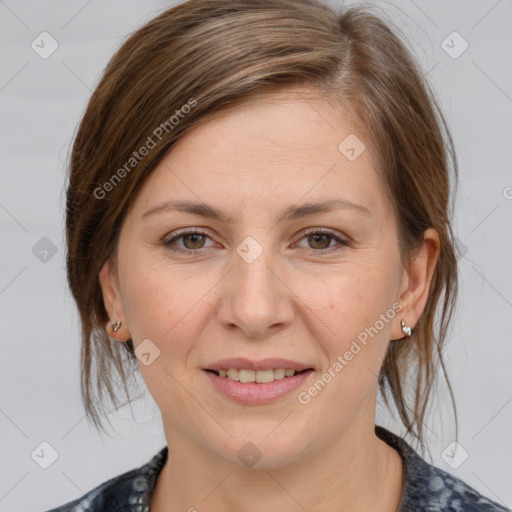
(280,373)
(233,374)
(259,376)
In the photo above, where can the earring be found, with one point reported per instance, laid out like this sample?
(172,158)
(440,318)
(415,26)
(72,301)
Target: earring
(116,325)
(406,329)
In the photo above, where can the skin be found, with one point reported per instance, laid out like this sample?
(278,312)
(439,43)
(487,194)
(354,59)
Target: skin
(291,302)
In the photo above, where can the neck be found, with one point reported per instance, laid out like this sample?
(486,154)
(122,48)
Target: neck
(356,472)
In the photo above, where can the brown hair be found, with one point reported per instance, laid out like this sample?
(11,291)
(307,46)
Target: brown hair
(213,55)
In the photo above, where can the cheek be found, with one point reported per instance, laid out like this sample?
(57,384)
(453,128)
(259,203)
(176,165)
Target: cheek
(357,307)
(165,304)
(358,311)
(357,296)
(165,308)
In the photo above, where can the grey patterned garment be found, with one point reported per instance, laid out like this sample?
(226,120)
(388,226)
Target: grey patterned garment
(426,488)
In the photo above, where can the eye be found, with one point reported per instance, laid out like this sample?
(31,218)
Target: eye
(193,240)
(320,240)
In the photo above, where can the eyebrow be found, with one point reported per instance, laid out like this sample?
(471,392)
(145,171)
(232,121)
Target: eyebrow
(291,213)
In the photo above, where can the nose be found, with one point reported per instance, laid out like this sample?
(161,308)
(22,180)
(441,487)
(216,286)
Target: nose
(256,297)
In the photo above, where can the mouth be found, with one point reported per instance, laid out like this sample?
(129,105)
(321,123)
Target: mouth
(248,387)
(241,369)
(250,376)
(250,382)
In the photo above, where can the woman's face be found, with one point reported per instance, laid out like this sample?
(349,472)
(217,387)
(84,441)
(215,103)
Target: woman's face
(256,284)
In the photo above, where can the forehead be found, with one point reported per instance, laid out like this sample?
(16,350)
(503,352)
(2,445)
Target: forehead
(286,148)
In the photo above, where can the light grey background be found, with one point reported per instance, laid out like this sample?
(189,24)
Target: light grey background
(41,102)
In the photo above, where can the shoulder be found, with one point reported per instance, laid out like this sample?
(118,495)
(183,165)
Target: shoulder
(130,491)
(436,490)
(431,489)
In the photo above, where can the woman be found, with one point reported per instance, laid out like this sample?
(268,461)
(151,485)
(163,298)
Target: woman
(258,219)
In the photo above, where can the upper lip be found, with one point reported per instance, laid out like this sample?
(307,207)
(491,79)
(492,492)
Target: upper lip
(241,363)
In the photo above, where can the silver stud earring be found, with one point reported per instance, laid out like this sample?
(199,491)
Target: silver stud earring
(406,329)
(116,325)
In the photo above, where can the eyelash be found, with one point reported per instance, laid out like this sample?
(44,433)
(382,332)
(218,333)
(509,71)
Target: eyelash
(192,231)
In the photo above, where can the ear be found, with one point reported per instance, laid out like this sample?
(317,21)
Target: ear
(112,300)
(415,283)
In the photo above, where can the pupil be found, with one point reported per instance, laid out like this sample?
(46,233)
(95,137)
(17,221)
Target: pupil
(325,237)
(194,237)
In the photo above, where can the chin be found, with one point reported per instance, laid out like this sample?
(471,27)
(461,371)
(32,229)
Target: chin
(264,450)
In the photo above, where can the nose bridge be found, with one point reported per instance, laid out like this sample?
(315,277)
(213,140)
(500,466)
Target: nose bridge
(256,300)
(254,273)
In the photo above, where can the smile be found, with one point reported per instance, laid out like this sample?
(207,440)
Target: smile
(259,376)
(251,387)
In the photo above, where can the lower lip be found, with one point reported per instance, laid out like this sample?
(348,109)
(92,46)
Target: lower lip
(254,393)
